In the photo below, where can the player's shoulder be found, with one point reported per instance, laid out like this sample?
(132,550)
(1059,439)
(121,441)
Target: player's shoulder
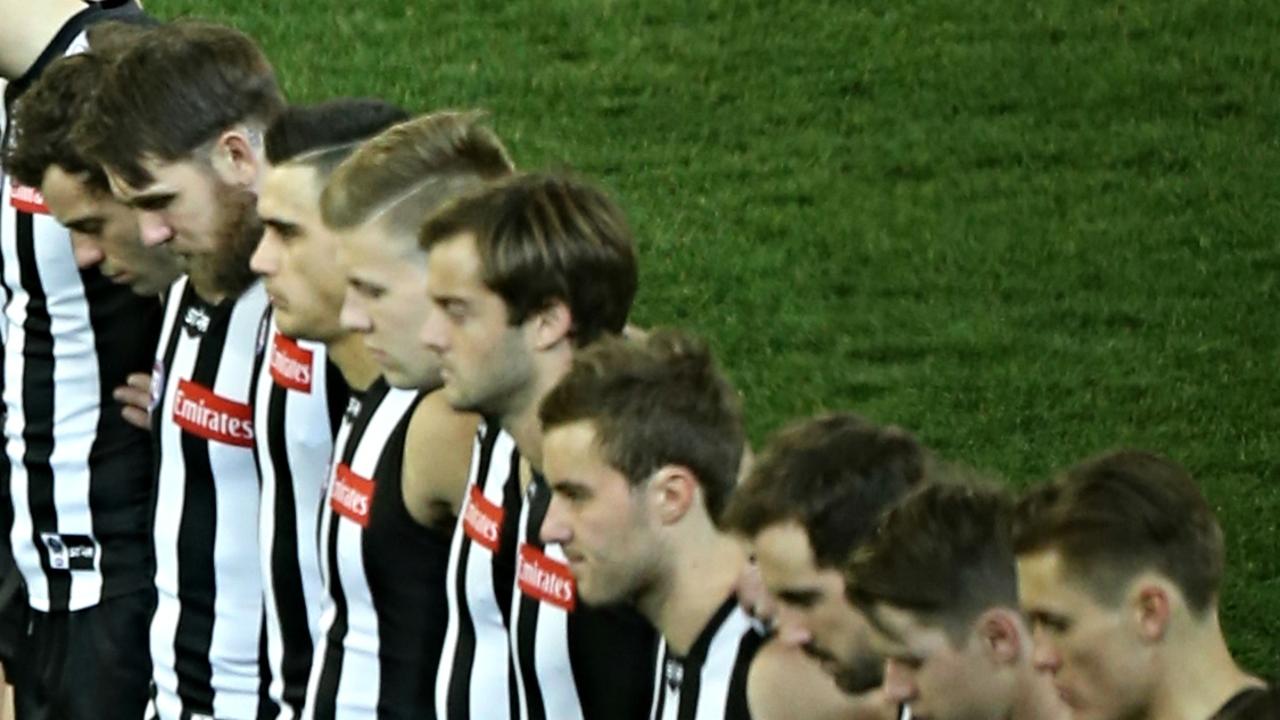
(785,683)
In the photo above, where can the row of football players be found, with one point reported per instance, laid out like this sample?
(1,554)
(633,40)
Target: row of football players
(396,411)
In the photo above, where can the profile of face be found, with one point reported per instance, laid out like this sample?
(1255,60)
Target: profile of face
(942,679)
(812,611)
(297,256)
(485,361)
(385,300)
(599,519)
(1100,658)
(104,233)
(204,210)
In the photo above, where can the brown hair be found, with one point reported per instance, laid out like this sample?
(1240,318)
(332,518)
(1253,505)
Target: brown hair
(1123,513)
(172,91)
(43,118)
(543,238)
(943,552)
(411,169)
(834,475)
(655,402)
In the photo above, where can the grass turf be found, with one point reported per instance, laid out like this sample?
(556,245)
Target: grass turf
(1028,231)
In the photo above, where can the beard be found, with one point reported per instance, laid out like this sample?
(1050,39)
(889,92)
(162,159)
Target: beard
(226,270)
(862,674)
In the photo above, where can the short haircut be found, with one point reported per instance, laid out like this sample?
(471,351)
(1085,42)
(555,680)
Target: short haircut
(548,238)
(944,553)
(43,119)
(834,475)
(412,169)
(174,90)
(324,130)
(655,402)
(1121,514)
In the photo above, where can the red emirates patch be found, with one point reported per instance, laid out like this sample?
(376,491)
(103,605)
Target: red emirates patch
(482,520)
(352,495)
(548,580)
(27,199)
(291,364)
(197,410)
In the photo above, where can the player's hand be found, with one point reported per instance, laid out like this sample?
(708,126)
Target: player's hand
(135,396)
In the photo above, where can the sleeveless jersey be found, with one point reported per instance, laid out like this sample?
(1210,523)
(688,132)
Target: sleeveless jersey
(384,617)
(710,683)
(75,508)
(206,627)
(572,661)
(298,401)
(475,668)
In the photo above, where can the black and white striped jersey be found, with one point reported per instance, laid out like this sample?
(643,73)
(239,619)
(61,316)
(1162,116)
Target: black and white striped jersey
(76,504)
(572,661)
(384,614)
(474,680)
(207,625)
(710,682)
(298,401)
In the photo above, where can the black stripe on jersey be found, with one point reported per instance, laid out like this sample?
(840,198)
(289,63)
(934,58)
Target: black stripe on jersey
(197,584)
(286,574)
(337,393)
(120,480)
(736,705)
(465,654)
(37,407)
(527,630)
(408,591)
(267,708)
(331,667)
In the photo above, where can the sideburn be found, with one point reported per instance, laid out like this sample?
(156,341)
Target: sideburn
(238,235)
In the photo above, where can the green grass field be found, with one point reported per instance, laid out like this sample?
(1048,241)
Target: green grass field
(1028,231)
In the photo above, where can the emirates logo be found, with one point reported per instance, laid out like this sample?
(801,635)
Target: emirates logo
(545,579)
(291,365)
(201,412)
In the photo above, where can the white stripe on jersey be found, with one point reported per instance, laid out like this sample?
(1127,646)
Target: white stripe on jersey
(359,688)
(716,674)
(237,604)
(488,685)
(76,393)
(551,663)
(308,438)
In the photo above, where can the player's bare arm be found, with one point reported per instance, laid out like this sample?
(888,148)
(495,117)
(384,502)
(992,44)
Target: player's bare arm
(437,457)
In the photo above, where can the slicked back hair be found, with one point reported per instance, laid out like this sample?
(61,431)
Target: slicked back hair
(548,238)
(834,475)
(655,402)
(1123,513)
(173,91)
(413,168)
(944,553)
(321,135)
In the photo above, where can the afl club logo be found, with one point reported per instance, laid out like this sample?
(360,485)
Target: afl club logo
(27,199)
(545,579)
(197,410)
(482,519)
(157,385)
(352,495)
(291,364)
(196,321)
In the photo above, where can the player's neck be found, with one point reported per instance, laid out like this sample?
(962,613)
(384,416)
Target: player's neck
(352,359)
(520,417)
(704,570)
(27,30)
(1198,675)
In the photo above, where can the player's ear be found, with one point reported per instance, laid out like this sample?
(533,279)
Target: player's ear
(236,156)
(673,490)
(551,325)
(1150,601)
(1001,636)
